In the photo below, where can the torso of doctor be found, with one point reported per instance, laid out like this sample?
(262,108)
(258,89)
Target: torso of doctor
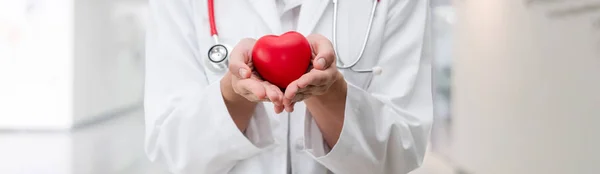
(387,117)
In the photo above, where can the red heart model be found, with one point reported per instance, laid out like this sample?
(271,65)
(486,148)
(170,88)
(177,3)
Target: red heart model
(281,59)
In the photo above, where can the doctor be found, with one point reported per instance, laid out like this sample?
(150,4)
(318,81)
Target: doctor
(331,120)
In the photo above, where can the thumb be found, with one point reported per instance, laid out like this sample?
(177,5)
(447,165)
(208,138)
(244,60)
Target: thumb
(239,70)
(240,57)
(322,47)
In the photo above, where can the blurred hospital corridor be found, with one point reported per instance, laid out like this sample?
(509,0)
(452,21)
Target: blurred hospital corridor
(515,85)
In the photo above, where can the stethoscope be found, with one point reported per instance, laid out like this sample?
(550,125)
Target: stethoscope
(219,53)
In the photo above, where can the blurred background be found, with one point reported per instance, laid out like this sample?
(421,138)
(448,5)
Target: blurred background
(71,87)
(522,74)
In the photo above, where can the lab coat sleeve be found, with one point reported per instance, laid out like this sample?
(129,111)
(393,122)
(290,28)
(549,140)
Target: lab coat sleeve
(188,127)
(386,126)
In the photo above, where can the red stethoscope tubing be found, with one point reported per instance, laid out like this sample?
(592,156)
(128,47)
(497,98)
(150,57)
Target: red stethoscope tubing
(211,17)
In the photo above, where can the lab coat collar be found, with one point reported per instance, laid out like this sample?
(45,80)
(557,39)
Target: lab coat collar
(267,10)
(310,14)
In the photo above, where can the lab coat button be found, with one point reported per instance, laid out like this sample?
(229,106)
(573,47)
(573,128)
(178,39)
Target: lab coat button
(300,144)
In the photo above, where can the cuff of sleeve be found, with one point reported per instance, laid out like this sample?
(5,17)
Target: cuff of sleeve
(342,153)
(259,131)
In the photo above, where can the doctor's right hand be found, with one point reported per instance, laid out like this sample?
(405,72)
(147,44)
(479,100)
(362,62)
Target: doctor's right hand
(246,82)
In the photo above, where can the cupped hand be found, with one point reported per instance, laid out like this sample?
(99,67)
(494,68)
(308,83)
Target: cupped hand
(246,82)
(322,74)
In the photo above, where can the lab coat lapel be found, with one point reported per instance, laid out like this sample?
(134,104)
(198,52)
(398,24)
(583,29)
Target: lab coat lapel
(267,10)
(310,14)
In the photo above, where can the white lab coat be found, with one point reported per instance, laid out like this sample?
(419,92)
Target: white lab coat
(387,117)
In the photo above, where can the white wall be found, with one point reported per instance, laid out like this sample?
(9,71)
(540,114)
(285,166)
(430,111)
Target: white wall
(108,60)
(36,56)
(69,62)
(527,87)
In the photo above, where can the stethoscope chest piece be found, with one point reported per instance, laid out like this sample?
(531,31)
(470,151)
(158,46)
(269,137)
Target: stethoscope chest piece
(218,53)
(218,56)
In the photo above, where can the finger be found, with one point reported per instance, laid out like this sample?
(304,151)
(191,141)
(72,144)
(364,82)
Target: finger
(290,107)
(323,49)
(306,79)
(279,108)
(239,69)
(290,92)
(288,101)
(271,93)
(240,58)
(250,87)
(315,77)
(279,94)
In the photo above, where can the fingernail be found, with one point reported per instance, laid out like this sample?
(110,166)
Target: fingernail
(321,62)
(243,72)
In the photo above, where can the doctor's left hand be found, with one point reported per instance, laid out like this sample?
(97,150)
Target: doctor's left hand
(322,74)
